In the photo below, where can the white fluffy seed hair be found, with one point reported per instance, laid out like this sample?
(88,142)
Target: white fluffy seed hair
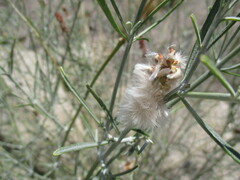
(142,106)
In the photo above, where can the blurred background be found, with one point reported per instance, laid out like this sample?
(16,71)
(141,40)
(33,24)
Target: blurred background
(36,107)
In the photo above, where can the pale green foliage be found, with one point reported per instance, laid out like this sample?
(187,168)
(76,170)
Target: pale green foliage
(64,67)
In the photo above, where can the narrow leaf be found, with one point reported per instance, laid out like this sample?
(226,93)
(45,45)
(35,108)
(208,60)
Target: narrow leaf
(102,67)
(157,8)
(147,142)
(159,21)
(109,16)
(194,21)
(217,73)
(212,95)
(210,18)
(119,15)
(232,18)
(224,145)
(104,107)
(231,68)
(193,61)
(11,57)
(224,31)
(77,147)
(80,99)
(140,10)
(231,73)
(141,132)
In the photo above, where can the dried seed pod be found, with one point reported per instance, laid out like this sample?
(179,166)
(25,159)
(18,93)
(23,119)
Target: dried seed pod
(142,106)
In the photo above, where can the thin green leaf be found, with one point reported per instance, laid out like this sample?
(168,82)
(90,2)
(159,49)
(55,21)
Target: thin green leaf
(137,22)
(119,16)
(225,30)
(145,39)
(3,72)
(115,50)
(194,21)
(229,56)
(22,105)
(36,80)
(109,16)
(140,10)
(217,73)
(141,132)
(107,153)
(125,172)
(231,73)
(135,27)
(210,18)
(193,61)
(147,142)
(10,65)
(159,21)
(214,95)
(77,147)
(224,145)
(235,66)
(154,11)
(80,99)
(232,18)
(104,107)
(25,19)
(232,3)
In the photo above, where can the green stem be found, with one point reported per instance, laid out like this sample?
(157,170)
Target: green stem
(107,153)
(124,59)
(215,96)
(140,10)
(118,46)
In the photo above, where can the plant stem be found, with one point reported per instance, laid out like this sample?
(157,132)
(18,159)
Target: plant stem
(107,153)
(124,59)
(120,43)
(215,96)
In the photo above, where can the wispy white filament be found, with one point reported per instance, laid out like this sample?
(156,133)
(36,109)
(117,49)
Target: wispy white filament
(142,106)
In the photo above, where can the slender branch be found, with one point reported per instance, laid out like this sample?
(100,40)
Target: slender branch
(107,153)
